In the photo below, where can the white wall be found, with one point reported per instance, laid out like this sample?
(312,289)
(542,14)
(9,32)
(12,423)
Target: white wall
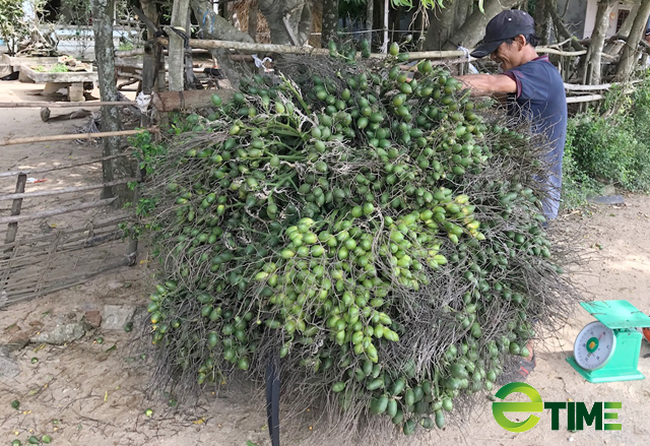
(590,18)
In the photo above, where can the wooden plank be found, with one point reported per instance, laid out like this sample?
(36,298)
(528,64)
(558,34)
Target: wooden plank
(27,243)
(586,98)
(176,58)
(57,211)
(576,87)
(166,101)
(39,104)
(65,190)
(62,167)
(36,139)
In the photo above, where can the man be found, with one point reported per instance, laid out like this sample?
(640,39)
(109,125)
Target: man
(535,95)
(534,89)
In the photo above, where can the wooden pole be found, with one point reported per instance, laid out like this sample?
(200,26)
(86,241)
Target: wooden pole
(12,141)
(384,45)
(290,49)
(585,98)
(39,104)
(176,59)
(19,195)
(57,211)
(61,167)
(15,208)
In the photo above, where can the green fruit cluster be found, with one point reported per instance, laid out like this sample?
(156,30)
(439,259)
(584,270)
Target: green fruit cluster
(347,222)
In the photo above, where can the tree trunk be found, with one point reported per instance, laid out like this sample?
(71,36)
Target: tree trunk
(252,21)
(442,25)
(330,21)
(214,26)
(594,53)
(103,13)
(544,19)
(563,33)
(370,12)
(630,54)
(289,20)
(473,30)
(626,27)
(176,57)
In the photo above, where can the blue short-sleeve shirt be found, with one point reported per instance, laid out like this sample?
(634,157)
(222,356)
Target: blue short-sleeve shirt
(541,100)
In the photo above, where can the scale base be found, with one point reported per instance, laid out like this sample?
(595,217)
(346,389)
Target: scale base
(605,375)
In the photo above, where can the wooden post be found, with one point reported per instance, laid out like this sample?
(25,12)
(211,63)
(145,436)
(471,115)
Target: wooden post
(384,47)
(12,231)
(15,208)
(180,14)
(149,70)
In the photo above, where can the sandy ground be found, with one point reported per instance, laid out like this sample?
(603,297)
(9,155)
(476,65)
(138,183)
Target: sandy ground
(92,393)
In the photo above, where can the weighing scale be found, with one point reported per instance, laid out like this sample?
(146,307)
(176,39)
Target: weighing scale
(608,349)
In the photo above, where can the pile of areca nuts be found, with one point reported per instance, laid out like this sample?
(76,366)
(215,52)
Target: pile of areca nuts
(376,231)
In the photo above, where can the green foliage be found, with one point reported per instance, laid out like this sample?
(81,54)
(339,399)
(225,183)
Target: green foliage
(431,4)
(59,68)
(125,46)
(12,23)
(146,150)
(577,186)
(613,148)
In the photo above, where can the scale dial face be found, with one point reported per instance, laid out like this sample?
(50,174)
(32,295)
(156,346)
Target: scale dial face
(594,346)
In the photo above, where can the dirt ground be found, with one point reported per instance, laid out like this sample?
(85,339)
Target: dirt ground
(87,392)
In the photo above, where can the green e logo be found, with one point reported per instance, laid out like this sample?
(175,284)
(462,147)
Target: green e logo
(535,405)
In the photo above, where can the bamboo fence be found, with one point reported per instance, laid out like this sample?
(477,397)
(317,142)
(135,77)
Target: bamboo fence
(38,258)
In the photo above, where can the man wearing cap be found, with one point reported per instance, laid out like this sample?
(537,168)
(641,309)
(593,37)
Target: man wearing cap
(534,89)
(535,95)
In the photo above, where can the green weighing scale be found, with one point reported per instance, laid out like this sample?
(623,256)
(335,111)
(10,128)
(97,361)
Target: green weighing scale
(608,349)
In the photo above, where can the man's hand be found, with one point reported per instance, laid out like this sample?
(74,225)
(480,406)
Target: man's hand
(488,84)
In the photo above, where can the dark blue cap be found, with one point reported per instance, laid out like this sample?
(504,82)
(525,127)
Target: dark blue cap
(506,25)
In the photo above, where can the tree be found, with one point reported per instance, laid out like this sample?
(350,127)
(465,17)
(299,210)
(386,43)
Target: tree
(330,21)
(289,20)
(103,13)
(213,26)
(595,50)
(630,53)
(472,29)
(444,21)
(544,19)
(13,26)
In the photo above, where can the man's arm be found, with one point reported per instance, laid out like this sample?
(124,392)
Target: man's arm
(488,84)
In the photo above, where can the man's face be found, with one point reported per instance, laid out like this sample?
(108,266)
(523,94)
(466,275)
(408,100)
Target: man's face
(507,55)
